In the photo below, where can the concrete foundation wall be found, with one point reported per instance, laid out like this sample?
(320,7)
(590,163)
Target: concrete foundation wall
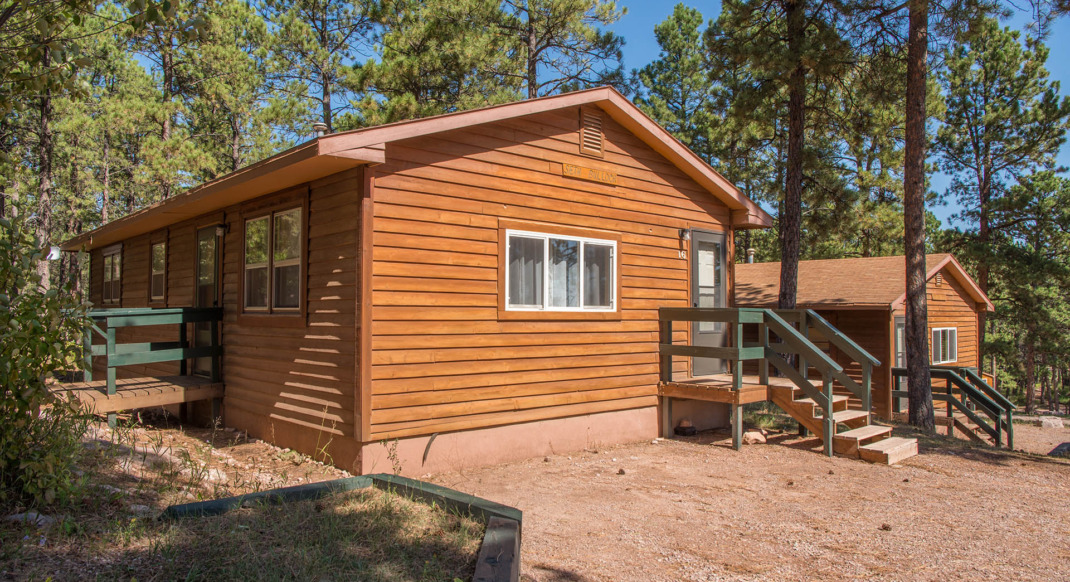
(453,451)
(703,415)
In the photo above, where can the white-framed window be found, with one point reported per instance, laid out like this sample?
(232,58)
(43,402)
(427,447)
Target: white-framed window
(945,345)
(158,271)
(111,293)
(272,278)
(550,272)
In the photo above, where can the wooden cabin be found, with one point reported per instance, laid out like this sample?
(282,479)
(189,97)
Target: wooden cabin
(457,290)
(864,298)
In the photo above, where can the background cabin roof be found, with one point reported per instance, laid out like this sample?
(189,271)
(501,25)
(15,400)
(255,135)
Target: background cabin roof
(859,283)
(330,154)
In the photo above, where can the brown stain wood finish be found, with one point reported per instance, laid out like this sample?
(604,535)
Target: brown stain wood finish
(443,358)
(292,382)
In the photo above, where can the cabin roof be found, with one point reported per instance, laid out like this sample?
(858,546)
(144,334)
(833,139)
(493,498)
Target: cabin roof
(859,283)
(330,154)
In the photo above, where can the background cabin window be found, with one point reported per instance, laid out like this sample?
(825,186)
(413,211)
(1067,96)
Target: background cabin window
(286,259)
(559,273)
(945,345)
(113,265)
(158,272)
(273,261)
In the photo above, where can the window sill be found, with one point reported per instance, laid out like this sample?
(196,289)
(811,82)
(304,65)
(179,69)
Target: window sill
(258,319)
(510,315)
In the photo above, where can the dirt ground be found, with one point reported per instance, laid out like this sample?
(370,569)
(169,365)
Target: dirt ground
(684,509)
(694,509)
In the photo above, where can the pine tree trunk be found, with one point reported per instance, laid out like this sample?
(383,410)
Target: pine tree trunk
(235,143)
(326,102)
(533,63)
(44,189)
(984,236)
(105,194)
(1030,373)
(790,220)
(919,382)
(168,72)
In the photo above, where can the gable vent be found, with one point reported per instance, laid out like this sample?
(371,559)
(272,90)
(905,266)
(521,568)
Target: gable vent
(591,137)
(939,279)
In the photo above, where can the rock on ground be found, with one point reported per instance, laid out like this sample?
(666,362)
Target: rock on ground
(1051,423)
(32,518)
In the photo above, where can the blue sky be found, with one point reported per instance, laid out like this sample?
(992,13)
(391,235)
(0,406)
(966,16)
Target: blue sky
(637,28)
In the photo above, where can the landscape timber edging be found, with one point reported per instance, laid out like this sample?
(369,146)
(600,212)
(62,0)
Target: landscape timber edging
(499,554)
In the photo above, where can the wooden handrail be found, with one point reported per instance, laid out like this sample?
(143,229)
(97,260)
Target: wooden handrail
(840,340)
(796,340)
(791,341)
(1000,411)
(129,354)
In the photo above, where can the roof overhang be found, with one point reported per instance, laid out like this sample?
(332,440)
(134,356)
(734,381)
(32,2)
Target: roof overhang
(961,276)
(745,212)
(292,167)
(334,153)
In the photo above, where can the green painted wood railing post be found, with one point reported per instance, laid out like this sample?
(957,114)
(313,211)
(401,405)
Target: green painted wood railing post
(1010,429)
(665,360)
(737,364)
(111,368)
(87,354)
(737,427)
(214,325)
(183,342)
(830,421)
(867,390)
(763,365)
(804,330)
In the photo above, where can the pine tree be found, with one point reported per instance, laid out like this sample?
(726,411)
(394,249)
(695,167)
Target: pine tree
(677,87)
(1031,269)
(313,46)
(1004,119)
(226,107)
(434,57)
(558,45)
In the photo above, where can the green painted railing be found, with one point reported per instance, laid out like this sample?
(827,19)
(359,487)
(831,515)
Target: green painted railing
(967,392)
(790,341)
(118,354)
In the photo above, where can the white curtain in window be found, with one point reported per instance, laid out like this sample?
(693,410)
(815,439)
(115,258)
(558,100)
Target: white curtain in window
(598,277)
(525,271)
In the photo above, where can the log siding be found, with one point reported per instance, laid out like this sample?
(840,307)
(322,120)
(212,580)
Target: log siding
(442,357)
(289,379)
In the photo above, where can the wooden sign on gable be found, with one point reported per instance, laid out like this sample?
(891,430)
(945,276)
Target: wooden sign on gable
(590,174)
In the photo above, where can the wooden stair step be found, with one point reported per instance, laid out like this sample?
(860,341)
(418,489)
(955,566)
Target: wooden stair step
(847,442)
(836,398)
(863,433)
(845,416)
(889,451)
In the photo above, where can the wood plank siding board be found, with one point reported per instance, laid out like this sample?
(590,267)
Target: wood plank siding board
(288,383)
(442,358)
(951,306)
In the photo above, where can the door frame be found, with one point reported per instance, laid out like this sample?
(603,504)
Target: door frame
(720,237)
(217,226)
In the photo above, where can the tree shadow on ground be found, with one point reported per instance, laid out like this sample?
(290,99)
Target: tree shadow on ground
(937,444)
(364,535)
(552,574)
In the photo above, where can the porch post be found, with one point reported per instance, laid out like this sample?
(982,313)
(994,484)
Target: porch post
(737,427)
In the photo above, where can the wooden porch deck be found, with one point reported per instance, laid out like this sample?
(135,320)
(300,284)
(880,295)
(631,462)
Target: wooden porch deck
(718,388)
(131,393)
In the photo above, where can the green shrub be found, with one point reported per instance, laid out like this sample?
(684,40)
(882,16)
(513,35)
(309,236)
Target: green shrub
(39,331)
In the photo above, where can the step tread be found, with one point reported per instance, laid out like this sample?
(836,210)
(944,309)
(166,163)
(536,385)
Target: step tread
(865,432)
(848,415)
(835,398)
(890,444)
